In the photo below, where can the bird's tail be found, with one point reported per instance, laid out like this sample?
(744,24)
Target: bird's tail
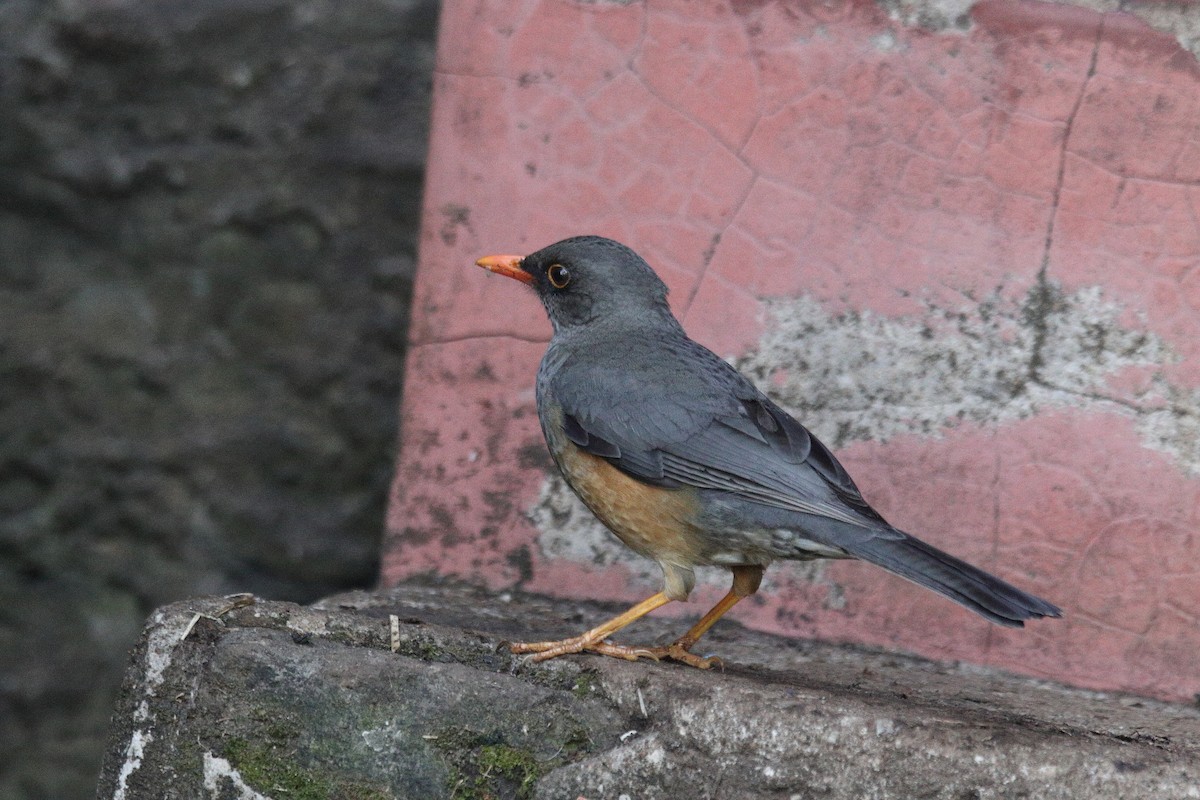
(985,594)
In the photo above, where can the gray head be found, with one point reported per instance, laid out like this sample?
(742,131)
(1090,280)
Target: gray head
(589,279)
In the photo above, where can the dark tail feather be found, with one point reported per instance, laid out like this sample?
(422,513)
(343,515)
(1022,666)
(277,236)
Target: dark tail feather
(985,594)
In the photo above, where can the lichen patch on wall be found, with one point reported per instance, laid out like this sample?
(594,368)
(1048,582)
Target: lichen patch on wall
(858,376)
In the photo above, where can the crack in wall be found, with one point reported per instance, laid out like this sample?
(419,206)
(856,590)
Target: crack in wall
(715,242)
(1042,295)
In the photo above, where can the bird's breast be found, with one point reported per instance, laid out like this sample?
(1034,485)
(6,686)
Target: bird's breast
(655,522)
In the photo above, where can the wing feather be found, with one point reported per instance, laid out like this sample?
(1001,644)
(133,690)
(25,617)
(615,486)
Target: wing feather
(714,430)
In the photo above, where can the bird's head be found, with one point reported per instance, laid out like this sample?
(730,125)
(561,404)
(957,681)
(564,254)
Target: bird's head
(588,280)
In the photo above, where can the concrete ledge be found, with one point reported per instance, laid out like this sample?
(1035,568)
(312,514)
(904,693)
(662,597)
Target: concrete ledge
(280,701)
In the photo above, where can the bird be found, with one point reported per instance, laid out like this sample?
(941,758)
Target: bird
(689,464)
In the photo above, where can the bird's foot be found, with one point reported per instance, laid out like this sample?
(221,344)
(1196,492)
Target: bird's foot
(677,651)
(544,651)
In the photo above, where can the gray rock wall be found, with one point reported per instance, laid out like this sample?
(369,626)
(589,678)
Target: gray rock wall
(208,221)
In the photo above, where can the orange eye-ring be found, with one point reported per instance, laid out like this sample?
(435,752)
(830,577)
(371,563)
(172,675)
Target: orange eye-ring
(559,276)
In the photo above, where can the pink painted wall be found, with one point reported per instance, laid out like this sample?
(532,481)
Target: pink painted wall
(969,260)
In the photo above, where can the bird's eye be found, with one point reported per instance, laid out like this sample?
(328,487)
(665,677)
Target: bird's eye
(559,276)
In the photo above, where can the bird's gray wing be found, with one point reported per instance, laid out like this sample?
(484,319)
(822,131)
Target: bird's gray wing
(702,424)
(695,421)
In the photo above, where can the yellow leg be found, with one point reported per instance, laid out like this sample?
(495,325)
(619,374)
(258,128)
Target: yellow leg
(745,583)
(587,641)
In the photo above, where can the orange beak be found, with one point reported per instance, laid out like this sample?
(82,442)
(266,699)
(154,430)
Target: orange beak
(506,265)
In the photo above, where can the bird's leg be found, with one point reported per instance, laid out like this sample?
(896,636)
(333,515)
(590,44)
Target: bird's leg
(746,580)
(593,640)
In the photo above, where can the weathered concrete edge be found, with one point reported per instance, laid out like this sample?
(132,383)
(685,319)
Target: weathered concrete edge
(794,699)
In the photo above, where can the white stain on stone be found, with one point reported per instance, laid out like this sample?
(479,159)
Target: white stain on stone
(386,739)
(931,15)
(221,777)
(886,42)
(165,633)
(859,376)
(134,751)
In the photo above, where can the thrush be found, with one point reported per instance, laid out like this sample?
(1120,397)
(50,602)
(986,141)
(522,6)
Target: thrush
(689,464)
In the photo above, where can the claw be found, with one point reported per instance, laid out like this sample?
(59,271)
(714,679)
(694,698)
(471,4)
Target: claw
(677,652)
(607,648)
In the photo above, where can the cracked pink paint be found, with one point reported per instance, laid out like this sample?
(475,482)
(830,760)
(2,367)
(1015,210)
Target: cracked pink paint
(760,150)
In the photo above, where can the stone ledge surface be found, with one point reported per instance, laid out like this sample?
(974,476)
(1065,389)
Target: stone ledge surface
(409,694)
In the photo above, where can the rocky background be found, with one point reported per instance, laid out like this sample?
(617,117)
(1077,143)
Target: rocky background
(208,224)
